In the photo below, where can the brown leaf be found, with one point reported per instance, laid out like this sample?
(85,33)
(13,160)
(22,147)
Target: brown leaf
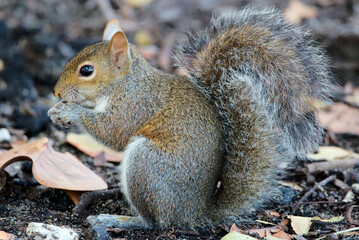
(332,153)
(296,11)
(54,169)
(341,118)
(74,195)
(138,3)
(28,151)
(275,214)
(234,228)
(89,146)
(6,236)
(282,235)
(65,171)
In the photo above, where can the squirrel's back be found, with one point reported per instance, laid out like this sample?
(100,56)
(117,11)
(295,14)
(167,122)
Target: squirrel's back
(264,76)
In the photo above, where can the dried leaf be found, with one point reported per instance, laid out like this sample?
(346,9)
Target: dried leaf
(300,225)
(282,235)
(138,3)
(234,228)
(292,185)
(74,195)
(89,146)
(65,171)
(28,151)
(54,169)
(7,236)
(296,11)
(142,38)
(237,236)
(275,214)
(331,220)
(341,118)
(261,232)
(353,96)
(331,153)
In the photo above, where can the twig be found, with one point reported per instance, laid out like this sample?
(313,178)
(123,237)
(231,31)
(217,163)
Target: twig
(349,213)
(87,198)
(320,184)
(340,232)
(325,166)
(305,203)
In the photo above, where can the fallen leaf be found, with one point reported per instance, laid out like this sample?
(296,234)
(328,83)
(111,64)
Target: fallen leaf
(275,214)
(6,236)
(234,228)
(300,225)
(341,118)
(331,220)
(261,232)
(284,222)
(89,146)
(74,195)
(296,11)
(237,236)
(353,95)
(65,171)
(282,235)
(54,169)
(142,38)
(28,151)
(292,185)
(138,3)
(331,153)
(1,68)
(349,197)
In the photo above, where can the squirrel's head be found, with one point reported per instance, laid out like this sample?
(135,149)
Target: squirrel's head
(95,67)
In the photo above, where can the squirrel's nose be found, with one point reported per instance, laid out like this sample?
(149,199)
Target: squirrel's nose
(56,94)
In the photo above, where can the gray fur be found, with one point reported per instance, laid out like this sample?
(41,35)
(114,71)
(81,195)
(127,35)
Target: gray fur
(302,132)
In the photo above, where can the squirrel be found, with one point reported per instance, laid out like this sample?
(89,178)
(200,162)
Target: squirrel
(245,104)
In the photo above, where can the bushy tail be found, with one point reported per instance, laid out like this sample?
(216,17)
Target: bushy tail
(264,76)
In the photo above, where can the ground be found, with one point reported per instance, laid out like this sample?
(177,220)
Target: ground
(38,37)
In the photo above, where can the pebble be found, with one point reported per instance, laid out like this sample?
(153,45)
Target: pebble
(50,232)
(5,135)
(355,188)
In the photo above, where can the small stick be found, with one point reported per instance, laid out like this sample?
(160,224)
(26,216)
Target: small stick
(324,166)
(305,203)
(340,232)
(87,198)
(349,213)
(320,184)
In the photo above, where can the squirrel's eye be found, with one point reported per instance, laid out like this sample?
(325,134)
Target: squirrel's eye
(86,70)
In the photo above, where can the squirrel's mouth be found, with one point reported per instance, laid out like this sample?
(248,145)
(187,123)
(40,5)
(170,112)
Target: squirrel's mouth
(86,103)
(75,97)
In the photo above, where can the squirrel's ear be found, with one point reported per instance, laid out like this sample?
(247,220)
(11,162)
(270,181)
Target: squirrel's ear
(111,28)
(118,48)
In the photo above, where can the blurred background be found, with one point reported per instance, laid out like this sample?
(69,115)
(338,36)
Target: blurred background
(38,37)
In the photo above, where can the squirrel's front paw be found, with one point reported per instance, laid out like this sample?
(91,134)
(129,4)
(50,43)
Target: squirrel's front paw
(63,114)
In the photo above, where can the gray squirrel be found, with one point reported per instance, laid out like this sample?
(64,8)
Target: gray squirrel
(246,105)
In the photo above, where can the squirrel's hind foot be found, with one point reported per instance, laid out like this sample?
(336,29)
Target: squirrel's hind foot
(118,221)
